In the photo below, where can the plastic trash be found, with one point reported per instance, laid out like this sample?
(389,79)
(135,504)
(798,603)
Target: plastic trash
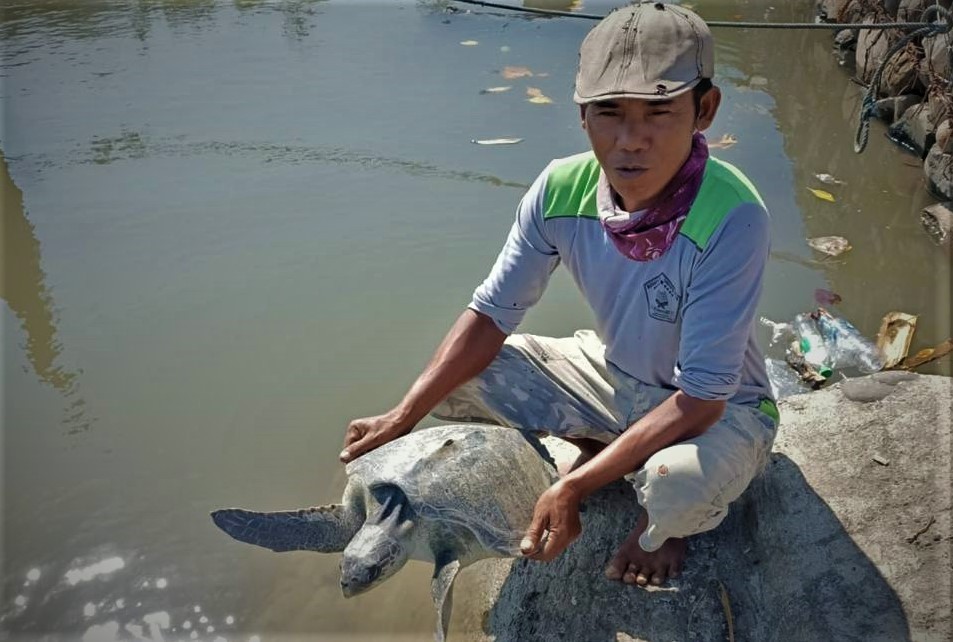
(784,381)
(848,347)
(778,330)
(812,345)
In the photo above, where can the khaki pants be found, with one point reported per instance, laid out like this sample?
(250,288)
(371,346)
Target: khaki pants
(565,388)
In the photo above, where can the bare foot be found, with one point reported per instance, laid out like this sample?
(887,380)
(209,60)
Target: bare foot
(633,565)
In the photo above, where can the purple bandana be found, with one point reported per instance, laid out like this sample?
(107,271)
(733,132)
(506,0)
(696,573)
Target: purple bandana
(647,236)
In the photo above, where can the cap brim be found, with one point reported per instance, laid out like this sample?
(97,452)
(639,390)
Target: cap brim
(649,94)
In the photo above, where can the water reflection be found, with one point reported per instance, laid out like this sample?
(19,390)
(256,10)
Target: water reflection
(22,285)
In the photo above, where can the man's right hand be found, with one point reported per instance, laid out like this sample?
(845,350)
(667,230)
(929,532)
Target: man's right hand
(369,433)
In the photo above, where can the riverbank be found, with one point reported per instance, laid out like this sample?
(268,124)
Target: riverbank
(846,536)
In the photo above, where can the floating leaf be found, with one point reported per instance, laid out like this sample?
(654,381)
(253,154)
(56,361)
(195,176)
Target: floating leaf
(537,96)
(821,194)
(469,43)
(497,141)
(830,245)
(516,72)
(495,90)
(827,179)
(726,141)
(826,297)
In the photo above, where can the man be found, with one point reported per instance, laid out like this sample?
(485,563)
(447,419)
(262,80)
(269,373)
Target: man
(668,247)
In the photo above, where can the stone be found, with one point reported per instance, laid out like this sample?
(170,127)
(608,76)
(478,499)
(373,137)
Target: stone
(939,171)
(901,75)
(846,38)
(830,10)
(936,57)
(892,108)
(943,138)
(937,220)
(915,129)
(939,102)
(827,544)
(912,10)
(872,46)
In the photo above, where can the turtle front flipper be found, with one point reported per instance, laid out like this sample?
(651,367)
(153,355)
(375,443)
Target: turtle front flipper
(441,589)
(325,529)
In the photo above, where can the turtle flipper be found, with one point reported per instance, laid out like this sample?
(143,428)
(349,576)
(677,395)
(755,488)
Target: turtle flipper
(442,590)
(326,529)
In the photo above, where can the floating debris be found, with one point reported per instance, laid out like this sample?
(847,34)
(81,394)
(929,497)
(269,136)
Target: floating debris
(496,141)
(830,245)
(827,179)
(821,194)
(927,355)
(826,297)
(495,90)
(883,461)
(505,48)
(895,336)
(469,43)
(726,141)
(516,72)
(778,330)
(536,96)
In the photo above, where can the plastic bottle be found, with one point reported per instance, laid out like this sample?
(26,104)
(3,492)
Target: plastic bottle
(812,345)
(848,347)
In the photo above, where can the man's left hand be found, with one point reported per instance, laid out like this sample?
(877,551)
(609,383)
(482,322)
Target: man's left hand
(555,524)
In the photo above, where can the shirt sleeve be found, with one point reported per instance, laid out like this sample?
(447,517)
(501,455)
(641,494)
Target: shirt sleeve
(720,305)
(523,267)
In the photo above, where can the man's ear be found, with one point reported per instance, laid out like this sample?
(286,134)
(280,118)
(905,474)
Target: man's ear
(582,115)
(707,108)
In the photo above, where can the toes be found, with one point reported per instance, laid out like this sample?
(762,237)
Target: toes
(631,574)
(657,579)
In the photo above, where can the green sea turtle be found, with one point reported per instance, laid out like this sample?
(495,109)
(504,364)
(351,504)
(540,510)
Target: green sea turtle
(450,495)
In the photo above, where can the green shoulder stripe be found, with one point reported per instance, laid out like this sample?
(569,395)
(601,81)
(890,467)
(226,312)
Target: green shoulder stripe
(723,188)
(571,189)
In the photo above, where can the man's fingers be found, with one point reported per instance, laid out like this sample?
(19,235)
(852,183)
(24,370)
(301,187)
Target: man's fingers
(356,449)
(531,541)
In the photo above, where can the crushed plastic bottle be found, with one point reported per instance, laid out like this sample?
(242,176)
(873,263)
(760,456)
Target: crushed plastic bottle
(848,347)
(784,381)
(812,345)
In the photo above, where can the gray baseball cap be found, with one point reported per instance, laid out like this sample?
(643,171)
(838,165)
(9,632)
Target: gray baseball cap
(649,50)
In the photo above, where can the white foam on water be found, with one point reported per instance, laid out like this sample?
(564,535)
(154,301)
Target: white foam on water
(107,632)
(254,638)
(106,566)
(89,610)
(20,600)
(197,609)
(230,620)
(161,583)
(33,574)
(210,629)
(203,620)
(195,635)
(220,639)
(120,603)
(186,625)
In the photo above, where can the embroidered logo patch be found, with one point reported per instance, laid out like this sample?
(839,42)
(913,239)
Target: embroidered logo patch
(664,300)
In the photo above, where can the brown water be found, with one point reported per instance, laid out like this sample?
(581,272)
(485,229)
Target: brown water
(230,227)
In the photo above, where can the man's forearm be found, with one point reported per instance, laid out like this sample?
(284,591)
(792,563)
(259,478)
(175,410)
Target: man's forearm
(678,418)
(469,347)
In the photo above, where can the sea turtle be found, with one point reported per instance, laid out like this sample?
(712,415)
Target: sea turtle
(450,495)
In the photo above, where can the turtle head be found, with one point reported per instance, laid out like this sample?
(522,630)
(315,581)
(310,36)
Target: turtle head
(371,557)
(379,549)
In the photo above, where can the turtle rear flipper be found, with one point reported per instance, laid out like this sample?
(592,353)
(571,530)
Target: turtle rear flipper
(325,529)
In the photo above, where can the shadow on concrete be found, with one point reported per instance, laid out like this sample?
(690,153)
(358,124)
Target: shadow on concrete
(782,559)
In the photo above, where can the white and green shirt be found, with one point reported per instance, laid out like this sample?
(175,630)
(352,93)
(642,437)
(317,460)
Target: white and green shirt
(684,320)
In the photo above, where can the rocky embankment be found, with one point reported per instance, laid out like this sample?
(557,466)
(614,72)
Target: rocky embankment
(846,536)
(915,98)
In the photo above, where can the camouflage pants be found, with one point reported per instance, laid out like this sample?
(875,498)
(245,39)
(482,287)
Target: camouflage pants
(564,387)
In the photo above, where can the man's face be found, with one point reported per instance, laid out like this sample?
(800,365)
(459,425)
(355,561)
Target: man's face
(641,144)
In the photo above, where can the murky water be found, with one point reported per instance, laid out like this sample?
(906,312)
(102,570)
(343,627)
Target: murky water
(229,228)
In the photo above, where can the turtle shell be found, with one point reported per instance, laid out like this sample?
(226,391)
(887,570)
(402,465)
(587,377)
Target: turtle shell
(485,479)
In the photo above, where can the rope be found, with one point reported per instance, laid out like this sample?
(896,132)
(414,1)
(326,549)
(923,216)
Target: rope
(870,97)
